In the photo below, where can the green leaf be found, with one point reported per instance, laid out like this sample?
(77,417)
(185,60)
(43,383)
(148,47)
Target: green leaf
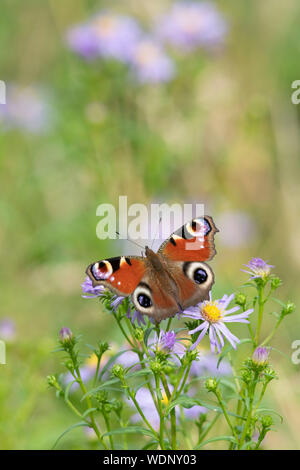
(67,389)
(100,387)
(147,334)
(77,425)
(131,430)
(184,401)
(269,410)
(215,439)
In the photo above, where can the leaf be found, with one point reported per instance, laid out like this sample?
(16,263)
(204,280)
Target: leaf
(184,401)
(269,410)
(77,425)
(215,439)
(147,334)
(131,430)
(87,412)
(67,389)
(100,387)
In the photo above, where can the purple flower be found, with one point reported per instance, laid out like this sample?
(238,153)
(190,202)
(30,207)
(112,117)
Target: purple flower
(7,329)
(258,268)
(106,35)
(65,335)
(90,290)
(150,63)
(207,364)
(260,356)
(82,40)
(213,316)
(169,343)
(98,291)
(189,25)
(26,109)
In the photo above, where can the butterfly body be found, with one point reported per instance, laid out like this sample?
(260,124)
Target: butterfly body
(164,283)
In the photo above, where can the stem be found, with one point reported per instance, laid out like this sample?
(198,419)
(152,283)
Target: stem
(218,395)
(172,414)
(267,340)
(209,427)
(108,429)
(260,313)
(122,329)
(161,414)
(141,412)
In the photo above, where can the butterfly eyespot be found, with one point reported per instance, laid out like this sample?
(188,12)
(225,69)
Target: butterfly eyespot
(144,300)
(102,270)
(200,276)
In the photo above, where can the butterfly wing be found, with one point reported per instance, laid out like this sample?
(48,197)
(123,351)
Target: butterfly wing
(184,253)
(194,241)
(119,274)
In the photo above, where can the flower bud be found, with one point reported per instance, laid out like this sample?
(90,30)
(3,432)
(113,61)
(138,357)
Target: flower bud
(275,283)
(240,299)
(266,421)
(118,371)
(65,335)
(260,356)
(139,334)
(288,309)
(51,379)
(156,366)
(211,384)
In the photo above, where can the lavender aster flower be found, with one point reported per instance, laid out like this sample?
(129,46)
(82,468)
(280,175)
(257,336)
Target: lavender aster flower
(135,316)
(81,40)
(258,268)
(26,109)
(65,335)
(90,290)
(169,343)
(7,329)
(214,315)
(106,35)
(150,63)
(189,25)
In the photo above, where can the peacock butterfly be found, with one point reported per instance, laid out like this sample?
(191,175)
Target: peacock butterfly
(164,283)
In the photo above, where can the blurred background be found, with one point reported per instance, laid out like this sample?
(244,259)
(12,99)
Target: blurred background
(162,102)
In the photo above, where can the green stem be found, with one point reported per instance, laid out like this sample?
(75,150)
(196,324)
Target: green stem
(208,428)
(260,314)
(218,395)
(107,422)
(267,340)
(172,414)
(131,394)
(161,414)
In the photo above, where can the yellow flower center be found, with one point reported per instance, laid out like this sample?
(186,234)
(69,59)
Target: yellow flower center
(164,400)
(212,312)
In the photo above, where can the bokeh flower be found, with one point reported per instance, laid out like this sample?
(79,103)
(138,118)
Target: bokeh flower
(7,329)
(150,63)
(27,109)
(106,35)
(213,316)
(207,365)
(191,24)
(258,268)
(237,228)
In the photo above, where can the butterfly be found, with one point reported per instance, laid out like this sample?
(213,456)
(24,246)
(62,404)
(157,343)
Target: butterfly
(164,283)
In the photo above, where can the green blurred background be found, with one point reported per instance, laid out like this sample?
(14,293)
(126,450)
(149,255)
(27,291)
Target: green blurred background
(223,132)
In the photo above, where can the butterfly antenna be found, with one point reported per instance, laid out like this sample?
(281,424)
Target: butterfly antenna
(132,241)
(157,230)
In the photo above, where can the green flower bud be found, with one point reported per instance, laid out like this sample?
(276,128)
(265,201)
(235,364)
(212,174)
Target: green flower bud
(269,374)
(288,309)
(211,384)
(51,379)
(139,334)
(118,371)
(247,376)
(275,283)
(266,421)
(102,348)
(156,366)
(240,299)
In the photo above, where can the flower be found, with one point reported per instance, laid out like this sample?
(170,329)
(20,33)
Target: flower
(26,109)
(106,35)
(88,288)
(169,343)
(260,356)
(207,364)
(189,25)
(65,335)
(7,329)
(258,268)
(214,315)
(150,63)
